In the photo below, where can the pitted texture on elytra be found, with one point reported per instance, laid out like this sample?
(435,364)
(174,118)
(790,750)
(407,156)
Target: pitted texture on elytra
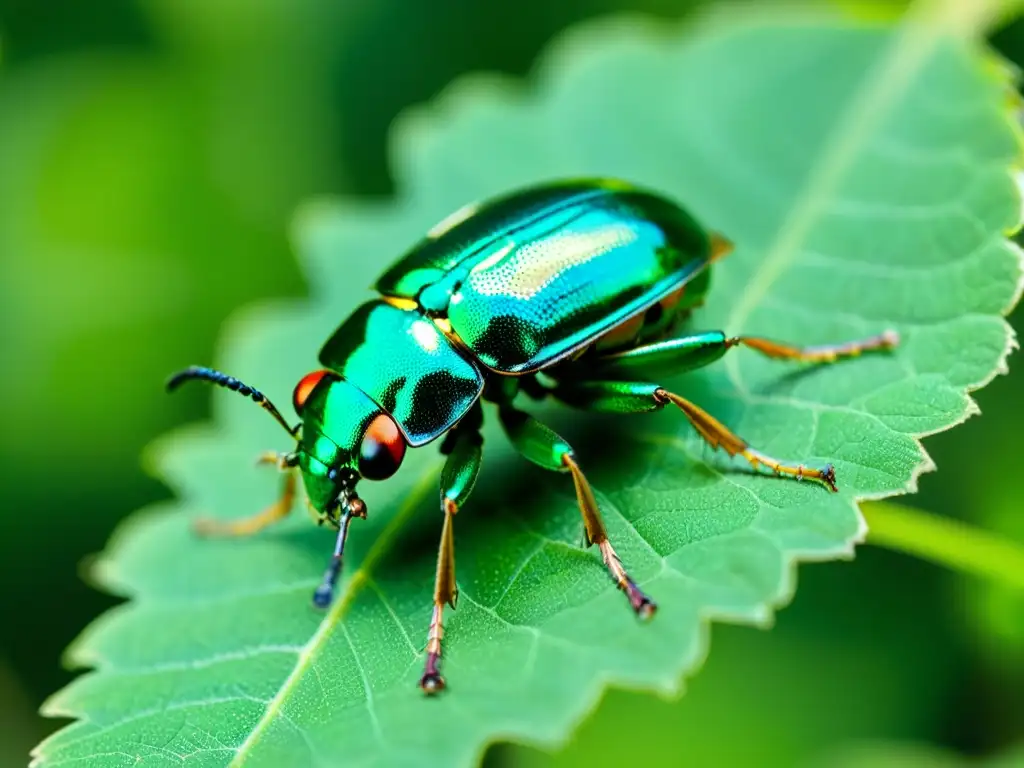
(461,235)
(219,658)
(553,287)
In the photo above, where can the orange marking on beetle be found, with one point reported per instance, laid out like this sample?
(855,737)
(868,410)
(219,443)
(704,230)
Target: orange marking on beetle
(622,333)
(402,303)
(306,386)
(720,246)
(672,300)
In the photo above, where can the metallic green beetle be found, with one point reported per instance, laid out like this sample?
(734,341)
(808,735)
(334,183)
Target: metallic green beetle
(581,281)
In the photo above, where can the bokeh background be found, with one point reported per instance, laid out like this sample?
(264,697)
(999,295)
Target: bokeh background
(151,155)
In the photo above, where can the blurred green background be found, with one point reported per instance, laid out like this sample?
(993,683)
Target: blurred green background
(151,155)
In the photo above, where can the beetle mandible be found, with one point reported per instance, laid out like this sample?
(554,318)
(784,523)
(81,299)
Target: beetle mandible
(583,281)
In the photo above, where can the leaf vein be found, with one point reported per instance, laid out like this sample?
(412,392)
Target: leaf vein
(372,584)
(367,688)
(380,547)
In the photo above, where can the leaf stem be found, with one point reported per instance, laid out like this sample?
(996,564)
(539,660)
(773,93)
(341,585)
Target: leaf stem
(947,542)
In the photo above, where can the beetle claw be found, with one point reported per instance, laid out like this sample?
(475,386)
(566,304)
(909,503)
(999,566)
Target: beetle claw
(432,684)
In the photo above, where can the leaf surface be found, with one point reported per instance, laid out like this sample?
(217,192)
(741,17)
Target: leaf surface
(864,173)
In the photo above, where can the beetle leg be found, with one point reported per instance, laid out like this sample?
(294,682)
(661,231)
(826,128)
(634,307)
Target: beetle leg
(825,353)
(457,480)
(699,349)
(640,397)
(351,506)
(717,435)
(445,591)
(247,526)
(546,449)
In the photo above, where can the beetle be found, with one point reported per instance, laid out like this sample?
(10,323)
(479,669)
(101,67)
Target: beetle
(571,289)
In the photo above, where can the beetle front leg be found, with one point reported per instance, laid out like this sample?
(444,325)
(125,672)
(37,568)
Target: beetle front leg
(285,462)
(546,449)
(457,480)
(640,397)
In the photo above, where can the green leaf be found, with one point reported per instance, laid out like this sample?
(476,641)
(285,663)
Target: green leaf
(864,173)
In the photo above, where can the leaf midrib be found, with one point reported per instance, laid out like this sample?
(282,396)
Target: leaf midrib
(362,577)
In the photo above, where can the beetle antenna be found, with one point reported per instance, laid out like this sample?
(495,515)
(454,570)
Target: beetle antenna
(229,382)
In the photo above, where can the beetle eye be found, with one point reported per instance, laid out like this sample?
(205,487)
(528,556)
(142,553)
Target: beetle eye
(382,449)
(306,386)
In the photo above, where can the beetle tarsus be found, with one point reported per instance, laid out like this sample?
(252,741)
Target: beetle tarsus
(432,682)
(646,607)
(247,526)
(641,604)
(595,533)
(824,353)
(324,594)
(717,435)
(445,591)
(828,474)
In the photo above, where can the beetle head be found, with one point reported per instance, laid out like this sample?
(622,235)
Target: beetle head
(345,437)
